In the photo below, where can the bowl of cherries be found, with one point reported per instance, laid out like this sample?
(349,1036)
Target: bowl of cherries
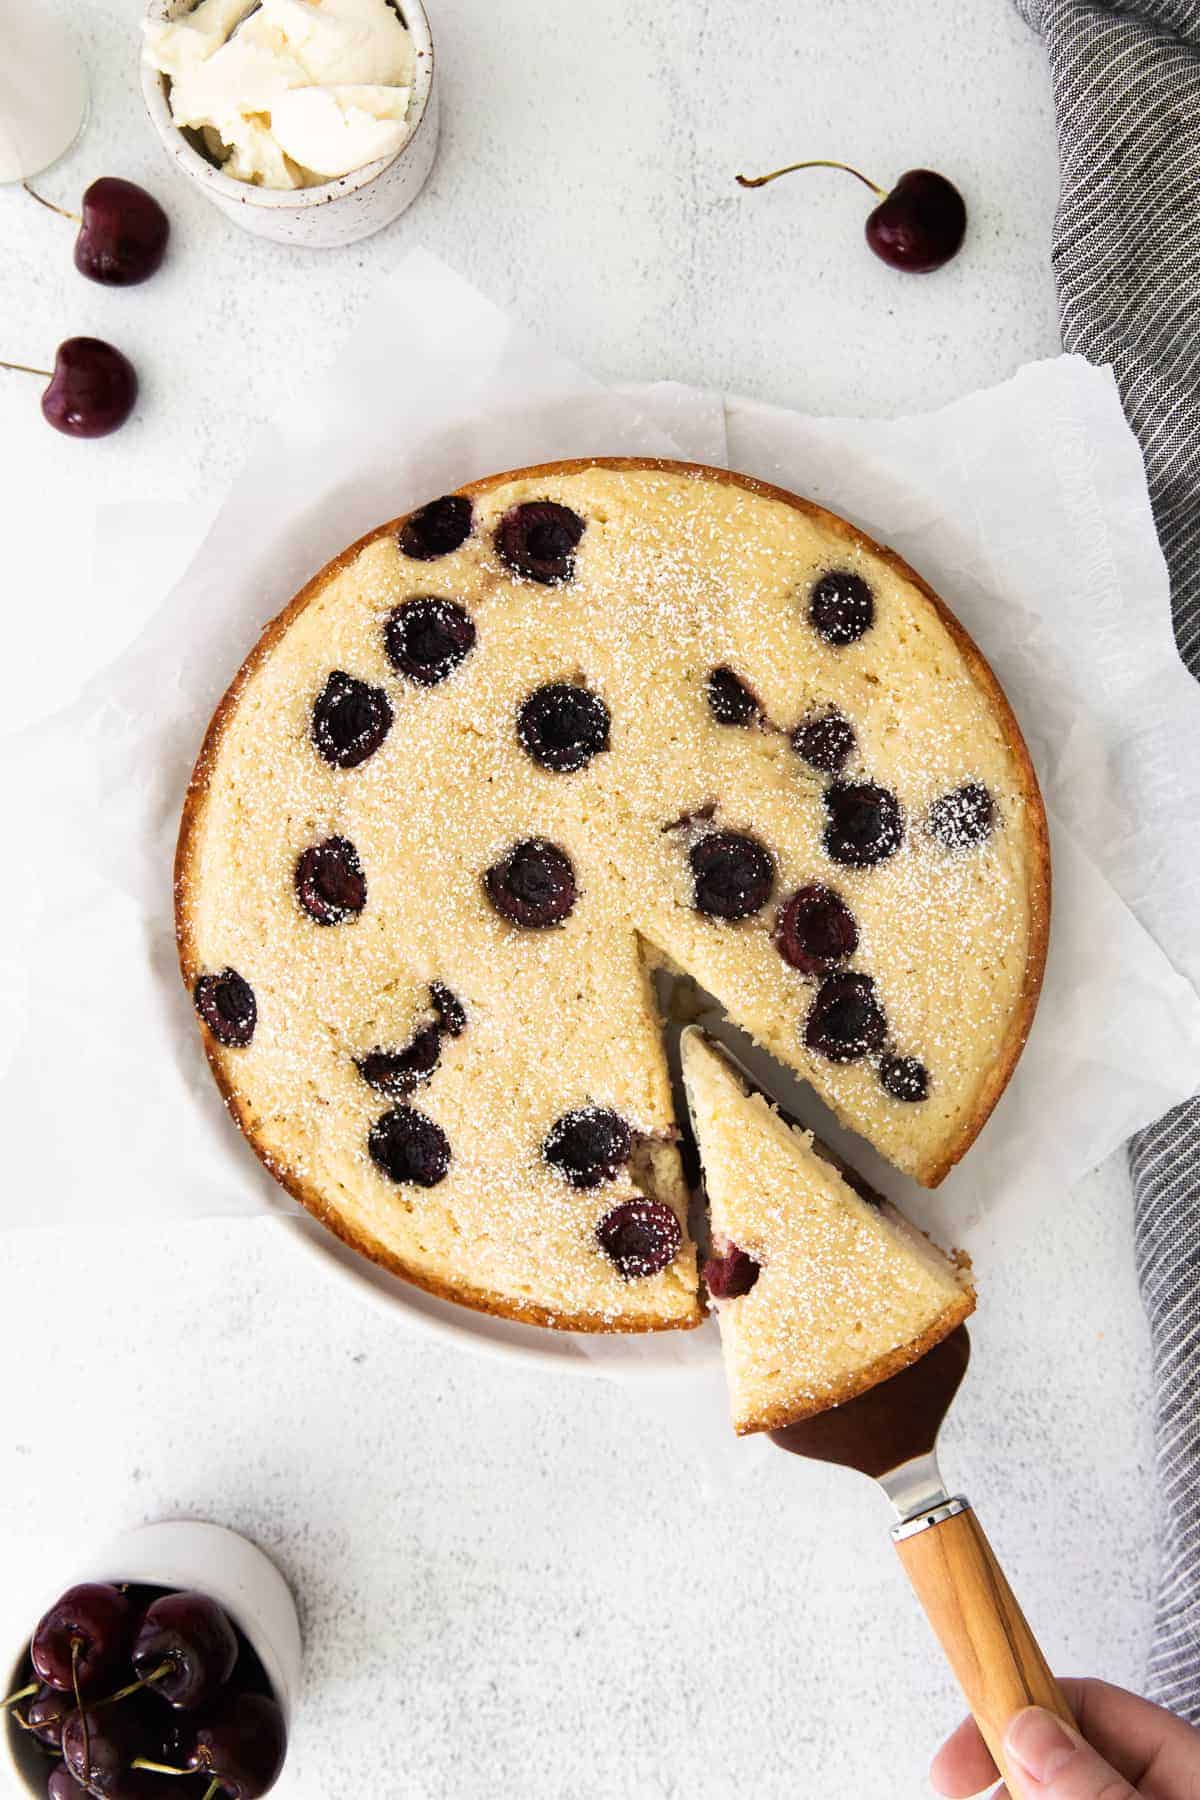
(172,1675)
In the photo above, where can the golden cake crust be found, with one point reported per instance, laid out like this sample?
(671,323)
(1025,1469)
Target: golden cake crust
(932,1170)
(791,1412)
(478,1299)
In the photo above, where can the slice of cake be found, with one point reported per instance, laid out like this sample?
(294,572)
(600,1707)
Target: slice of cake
(820,1292)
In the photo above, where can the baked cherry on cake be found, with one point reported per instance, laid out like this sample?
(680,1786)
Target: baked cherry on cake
(505,754)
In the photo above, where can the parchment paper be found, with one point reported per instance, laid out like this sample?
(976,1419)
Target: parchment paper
(1025,506)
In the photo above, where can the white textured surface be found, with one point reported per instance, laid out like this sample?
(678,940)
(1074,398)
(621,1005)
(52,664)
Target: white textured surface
(515,1583)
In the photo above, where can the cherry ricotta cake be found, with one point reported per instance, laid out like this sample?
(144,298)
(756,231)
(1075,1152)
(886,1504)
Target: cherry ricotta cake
(822,1288)
(504,755)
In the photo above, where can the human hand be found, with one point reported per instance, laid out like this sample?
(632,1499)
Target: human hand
(1125,1749)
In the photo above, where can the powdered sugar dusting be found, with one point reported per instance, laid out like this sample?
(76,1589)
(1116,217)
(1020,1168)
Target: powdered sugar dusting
(674,576)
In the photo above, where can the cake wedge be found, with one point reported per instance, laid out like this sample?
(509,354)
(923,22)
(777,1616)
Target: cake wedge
(820,1292)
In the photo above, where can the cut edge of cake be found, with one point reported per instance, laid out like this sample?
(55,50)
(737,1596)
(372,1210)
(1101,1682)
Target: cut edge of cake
(767,1389)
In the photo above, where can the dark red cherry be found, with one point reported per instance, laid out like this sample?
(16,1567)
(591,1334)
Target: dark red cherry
(350,720)
(841,607)
(130,1783)
(846,1021)
(410,1148)
(397,1072)
(329,880)
(45,1714)
(241,1742)
(190,1633)
(169,1734)
(865,824)
(963,818)
(538,540)
(815,929)
(904,1078)
(733,875)
(920,224)
(122,235)
(452,1014)
(562,726)
(588,1145)
(62,1785)
(730,1273)
(81,1637)
(92,390)
(825,742)
(533,885)
(641,1237)
(437,529)
(227,1006)
(730,701)
(426,638)
(916,227)
(99,1746)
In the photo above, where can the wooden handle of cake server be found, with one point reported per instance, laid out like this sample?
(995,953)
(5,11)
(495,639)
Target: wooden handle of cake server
(982,1630)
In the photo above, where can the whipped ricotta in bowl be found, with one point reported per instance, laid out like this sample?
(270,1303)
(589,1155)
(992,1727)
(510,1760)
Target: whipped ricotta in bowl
(288,94)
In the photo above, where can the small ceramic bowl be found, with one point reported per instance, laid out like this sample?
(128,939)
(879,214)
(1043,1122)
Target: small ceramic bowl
(338,212)
(181,1553)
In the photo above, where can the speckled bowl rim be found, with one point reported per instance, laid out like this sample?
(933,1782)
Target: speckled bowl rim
(289,200)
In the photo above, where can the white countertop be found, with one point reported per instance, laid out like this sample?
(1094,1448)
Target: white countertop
(514,1582)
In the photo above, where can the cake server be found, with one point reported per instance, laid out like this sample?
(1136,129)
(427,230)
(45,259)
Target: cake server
(891,1433)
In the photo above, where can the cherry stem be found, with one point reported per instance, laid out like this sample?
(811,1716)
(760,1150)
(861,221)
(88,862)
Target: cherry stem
(164,1668)
(50,205)
(143,1762)
(24,1693)
(57,1718)
(25,369)
(213,1789)
(750,181)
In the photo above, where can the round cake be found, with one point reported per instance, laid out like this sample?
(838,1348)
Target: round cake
(507,754)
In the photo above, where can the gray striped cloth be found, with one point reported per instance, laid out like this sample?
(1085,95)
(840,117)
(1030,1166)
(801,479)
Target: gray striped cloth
(1127,262)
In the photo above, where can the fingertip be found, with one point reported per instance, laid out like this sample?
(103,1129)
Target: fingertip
(1040,1743)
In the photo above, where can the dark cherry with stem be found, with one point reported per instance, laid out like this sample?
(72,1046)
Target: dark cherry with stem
(73,1645)
(240,1742)
(917,226)
(99,1748)
(45,1716)
(92,388)
(83,1634)
(123,231)
(185,1649)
